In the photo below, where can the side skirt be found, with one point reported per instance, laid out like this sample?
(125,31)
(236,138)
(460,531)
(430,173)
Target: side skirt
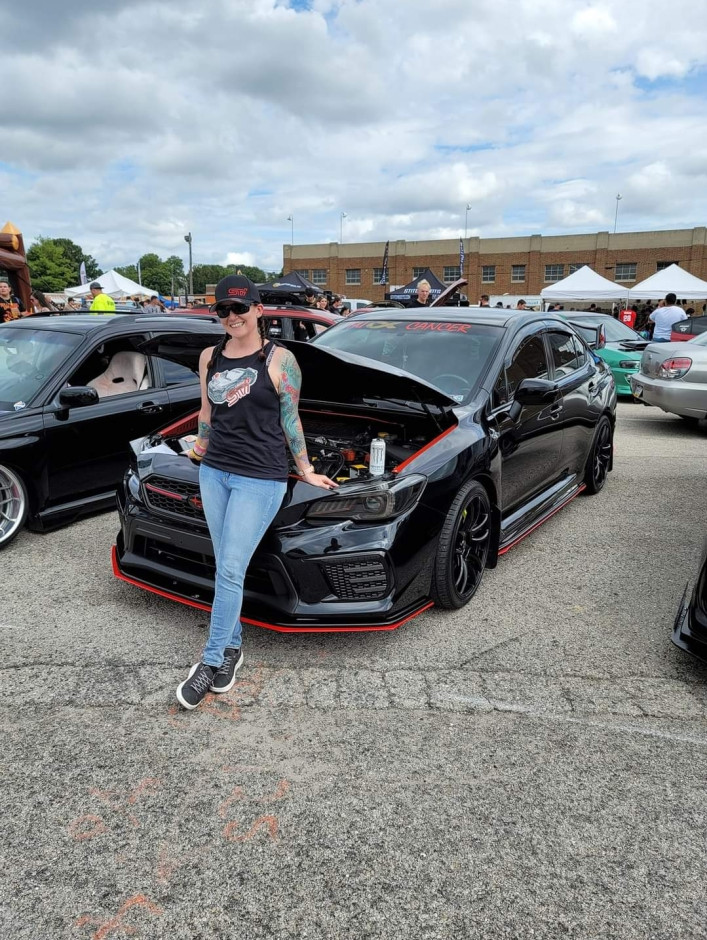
(523,522)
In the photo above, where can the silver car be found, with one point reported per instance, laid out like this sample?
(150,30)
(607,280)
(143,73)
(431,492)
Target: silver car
(673,376)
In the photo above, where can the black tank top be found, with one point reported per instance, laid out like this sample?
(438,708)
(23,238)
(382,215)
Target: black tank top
(246,435)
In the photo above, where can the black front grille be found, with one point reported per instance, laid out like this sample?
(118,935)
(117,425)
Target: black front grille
(357,580)
(174,497)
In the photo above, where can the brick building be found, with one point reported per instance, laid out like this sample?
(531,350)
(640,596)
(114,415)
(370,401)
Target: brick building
(522,265)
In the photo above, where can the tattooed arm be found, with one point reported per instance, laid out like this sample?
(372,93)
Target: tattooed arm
(200,445)
(288,386)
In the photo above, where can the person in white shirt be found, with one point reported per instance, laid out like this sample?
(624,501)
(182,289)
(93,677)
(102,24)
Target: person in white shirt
(665,317)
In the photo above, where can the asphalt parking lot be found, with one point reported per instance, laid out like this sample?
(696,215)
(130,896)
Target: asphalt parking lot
(534,765)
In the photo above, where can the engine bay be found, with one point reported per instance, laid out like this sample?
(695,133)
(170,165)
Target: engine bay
(339,446)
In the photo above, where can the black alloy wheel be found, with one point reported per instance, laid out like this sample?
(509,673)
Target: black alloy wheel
(599,457)
(463,547)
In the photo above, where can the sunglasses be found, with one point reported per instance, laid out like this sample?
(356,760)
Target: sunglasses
(234,307)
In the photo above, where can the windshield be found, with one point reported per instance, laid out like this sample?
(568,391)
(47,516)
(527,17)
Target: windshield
(452,356)
(700,340)
(27,359)
(615,331)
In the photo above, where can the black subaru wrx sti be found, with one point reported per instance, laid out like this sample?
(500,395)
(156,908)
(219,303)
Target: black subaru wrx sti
(492,422)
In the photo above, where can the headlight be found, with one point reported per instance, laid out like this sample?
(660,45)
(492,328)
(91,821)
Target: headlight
(629,363)
(132,485)
(674,368)
(370,502)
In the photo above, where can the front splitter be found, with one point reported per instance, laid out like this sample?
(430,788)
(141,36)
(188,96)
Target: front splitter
(401,617)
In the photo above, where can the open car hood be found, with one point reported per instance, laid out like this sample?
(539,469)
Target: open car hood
(327,375)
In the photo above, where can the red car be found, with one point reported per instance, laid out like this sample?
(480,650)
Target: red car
(688,329)
(284,322)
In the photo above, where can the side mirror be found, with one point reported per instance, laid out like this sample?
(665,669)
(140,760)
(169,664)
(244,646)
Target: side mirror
(536,392)
(78,397)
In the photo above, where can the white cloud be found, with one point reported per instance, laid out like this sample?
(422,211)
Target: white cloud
(225,117)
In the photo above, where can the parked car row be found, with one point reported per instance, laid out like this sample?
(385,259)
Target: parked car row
(492,421)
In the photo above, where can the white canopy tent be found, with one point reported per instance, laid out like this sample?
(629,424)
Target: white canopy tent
(113,284)
(583,284)
(672,279)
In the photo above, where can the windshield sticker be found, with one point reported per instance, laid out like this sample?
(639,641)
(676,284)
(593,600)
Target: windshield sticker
(19,405)
(439,327)
(373,325)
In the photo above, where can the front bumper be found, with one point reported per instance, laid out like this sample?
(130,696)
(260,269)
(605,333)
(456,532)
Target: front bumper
(622,378)
(333,578)
(671,395)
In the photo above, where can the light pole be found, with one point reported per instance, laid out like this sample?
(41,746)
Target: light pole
(616,214)
(291,220)
(187,238)
(341,228)
(466,219)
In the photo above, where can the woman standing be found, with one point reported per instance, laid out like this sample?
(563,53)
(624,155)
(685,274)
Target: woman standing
(249,416)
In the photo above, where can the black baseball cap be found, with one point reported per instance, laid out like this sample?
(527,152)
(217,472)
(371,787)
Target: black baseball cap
(96,286)
(236,287)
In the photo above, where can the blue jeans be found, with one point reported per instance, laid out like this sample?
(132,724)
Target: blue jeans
(238,510)
(660,340)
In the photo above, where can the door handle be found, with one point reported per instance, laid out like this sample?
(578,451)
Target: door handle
(149,408)
(556,411)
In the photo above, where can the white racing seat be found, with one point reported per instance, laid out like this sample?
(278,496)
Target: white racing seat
(126,372)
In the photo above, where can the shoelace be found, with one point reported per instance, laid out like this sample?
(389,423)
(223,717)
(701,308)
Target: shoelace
(225,667)
(201,681)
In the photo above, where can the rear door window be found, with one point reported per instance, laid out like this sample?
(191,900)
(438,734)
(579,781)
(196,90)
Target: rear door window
(565,353)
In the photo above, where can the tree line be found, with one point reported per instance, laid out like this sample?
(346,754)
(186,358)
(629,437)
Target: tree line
(54,264)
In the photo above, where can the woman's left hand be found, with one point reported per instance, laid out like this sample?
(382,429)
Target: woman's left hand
(318,479)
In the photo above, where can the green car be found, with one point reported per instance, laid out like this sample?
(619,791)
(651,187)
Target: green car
(623,349)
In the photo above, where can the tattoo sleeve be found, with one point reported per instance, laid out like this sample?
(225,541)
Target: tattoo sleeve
(202,439)
(290,384)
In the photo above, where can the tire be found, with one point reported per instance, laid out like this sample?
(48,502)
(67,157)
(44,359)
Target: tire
(599,460)
(690,419)
(13,505)
(463,548)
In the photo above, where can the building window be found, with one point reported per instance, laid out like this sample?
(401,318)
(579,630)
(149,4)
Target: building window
(576,267)
(452,272)
(353,275)
(662,265)
(418,272)
(517,273)
(625,271)
(304,272)
(488,273)
(378,274)
(554,272)
(319,276)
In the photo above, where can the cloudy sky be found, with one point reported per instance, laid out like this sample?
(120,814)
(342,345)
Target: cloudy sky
(127,123)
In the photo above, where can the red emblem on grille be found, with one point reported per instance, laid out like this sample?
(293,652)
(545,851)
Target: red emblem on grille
(196,502)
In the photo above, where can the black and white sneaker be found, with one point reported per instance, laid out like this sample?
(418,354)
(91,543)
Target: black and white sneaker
(225,676)
(191,692)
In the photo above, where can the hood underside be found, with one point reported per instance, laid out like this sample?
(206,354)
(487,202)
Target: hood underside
(327,375)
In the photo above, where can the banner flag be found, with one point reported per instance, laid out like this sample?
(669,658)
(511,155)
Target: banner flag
(82,272)
(384,276)
(461,257)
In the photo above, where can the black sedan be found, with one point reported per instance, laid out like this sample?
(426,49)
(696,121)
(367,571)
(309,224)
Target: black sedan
(74,391)
(491,421)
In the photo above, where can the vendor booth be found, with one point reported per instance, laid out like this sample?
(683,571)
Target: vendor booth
(408,293)
(583,285)
(671,280)
(115,285)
